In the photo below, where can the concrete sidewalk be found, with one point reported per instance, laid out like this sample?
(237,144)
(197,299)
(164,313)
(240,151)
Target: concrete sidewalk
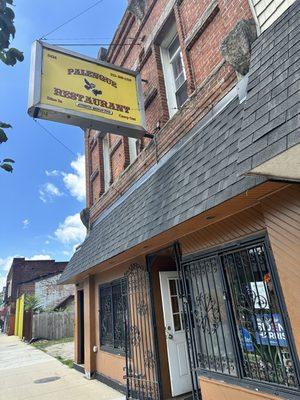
(27,373)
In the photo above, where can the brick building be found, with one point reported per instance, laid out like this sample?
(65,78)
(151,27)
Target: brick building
(21,279)
(188,278)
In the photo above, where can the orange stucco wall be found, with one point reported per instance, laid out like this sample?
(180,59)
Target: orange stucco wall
(282,217)
(107,364)
(217,390)
(279,216)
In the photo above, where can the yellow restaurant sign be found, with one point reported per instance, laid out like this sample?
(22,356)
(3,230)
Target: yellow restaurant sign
(77,90)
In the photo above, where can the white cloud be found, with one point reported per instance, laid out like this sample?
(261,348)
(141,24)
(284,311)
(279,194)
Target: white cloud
(39,257)
(2,282)
(25,223)
(54,172)
(48,191)
(71,231)
(5,263)
(75,182)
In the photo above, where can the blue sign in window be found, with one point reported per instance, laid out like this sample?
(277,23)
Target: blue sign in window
(269,330)
(246,340)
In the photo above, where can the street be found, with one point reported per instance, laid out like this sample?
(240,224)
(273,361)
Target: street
(28,373)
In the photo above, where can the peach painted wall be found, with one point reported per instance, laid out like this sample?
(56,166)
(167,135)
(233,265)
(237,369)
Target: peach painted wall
(282,216)
(107,364)
(217,390)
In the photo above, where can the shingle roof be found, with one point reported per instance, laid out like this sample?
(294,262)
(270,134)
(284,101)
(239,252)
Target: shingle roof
(207,170)
(272,111)
(198,176)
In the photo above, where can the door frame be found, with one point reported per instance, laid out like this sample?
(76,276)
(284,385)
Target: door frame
(164,277)
(175,253)
(80,328)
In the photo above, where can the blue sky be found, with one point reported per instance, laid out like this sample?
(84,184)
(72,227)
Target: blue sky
(41,200)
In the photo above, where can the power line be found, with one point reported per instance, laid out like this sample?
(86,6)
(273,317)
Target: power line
(72,19)
(94,44)
(55,138)
(87,38)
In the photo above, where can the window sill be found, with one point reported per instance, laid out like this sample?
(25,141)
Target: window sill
(116,352)
(250,385)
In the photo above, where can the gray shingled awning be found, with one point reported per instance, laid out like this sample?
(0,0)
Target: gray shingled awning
(208,169)
(200,175)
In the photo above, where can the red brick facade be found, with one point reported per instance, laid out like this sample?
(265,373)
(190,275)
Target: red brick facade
(201,27)
(23,273)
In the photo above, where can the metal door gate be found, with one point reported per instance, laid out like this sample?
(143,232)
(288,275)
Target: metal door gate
(188,323)
(141,355)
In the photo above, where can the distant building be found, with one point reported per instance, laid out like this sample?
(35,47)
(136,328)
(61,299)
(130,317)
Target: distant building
(2,309)
(52,296)
(21,279)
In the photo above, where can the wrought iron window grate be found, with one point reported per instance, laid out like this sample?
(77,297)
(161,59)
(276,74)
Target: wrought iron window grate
(112,303)
(236,322)
(262,334)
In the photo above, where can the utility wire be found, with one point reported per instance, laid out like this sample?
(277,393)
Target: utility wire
(71,19)
(87,38)
(55,138)
(94,44)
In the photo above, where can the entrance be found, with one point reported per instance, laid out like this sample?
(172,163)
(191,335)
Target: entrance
(180,375)
(81,327)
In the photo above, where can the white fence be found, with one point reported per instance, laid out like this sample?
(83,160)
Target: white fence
(54,325)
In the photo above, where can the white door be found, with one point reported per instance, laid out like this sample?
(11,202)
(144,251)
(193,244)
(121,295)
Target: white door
(175,335)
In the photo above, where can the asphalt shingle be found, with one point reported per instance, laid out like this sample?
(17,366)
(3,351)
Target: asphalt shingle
(208,169)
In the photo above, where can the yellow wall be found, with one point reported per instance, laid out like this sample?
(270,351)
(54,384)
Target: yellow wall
(19,317)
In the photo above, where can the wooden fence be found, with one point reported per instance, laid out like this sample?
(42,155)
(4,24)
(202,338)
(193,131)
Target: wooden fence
(54,325)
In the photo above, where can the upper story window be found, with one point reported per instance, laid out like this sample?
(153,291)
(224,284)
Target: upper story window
(106,163)
(174,72)
(133,149)
(267,12)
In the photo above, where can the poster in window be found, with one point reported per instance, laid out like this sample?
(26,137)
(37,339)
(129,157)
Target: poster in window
(246,340)
(270,330)
(260,295)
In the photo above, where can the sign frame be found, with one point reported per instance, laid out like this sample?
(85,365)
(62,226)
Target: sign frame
(70,117)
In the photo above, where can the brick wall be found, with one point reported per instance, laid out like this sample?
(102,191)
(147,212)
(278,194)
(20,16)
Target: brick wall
(23,272)
(50,294)
(201,27)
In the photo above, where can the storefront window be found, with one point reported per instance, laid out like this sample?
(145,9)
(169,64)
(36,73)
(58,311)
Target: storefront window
(236,318)
(261,331)
(209,317)
(111,319)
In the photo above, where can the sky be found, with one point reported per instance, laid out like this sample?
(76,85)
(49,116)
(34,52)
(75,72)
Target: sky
(41,200)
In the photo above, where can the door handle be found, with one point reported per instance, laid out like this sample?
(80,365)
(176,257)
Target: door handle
(170,336)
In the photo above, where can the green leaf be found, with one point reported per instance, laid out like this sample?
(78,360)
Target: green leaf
(5,125)
(10,60)
(8,160)
(7,167)
(7,24)
(9,13)
(2,5)
(4,40)
(3,137)
(16,53)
